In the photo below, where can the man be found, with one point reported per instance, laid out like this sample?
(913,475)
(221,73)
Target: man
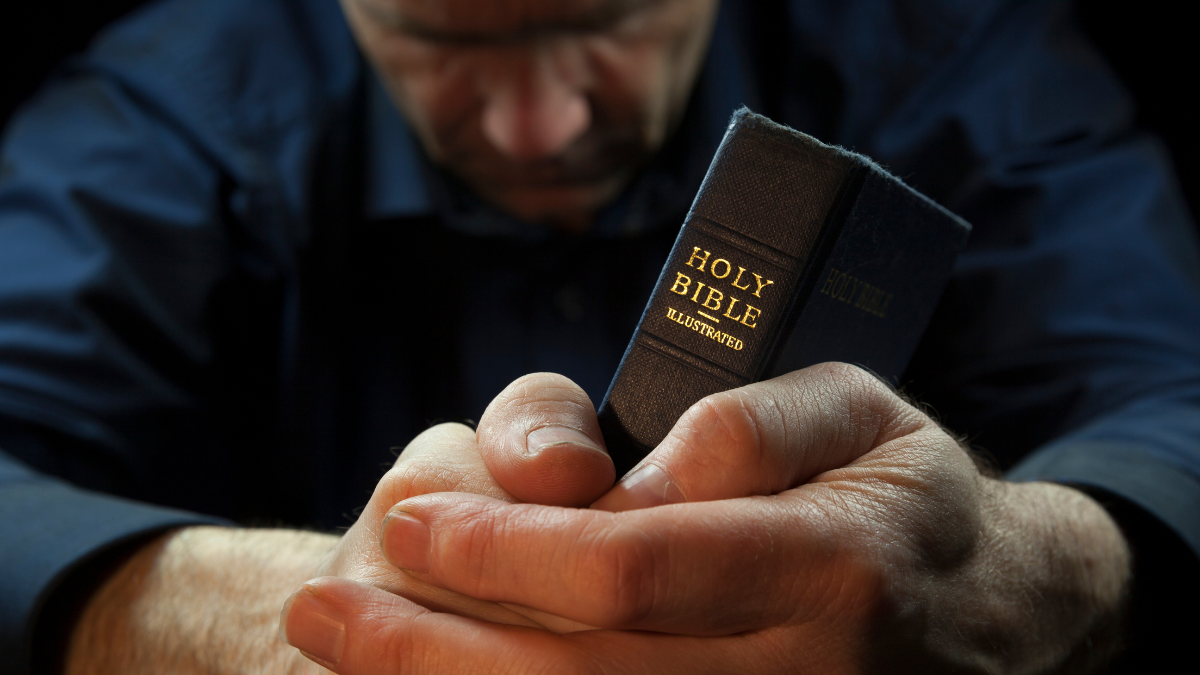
(231,279)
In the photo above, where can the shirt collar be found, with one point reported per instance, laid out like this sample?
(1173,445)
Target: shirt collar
(395,184)
(402,183)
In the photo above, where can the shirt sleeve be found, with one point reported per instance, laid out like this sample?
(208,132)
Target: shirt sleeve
(1067,345)
(153,203)
(112,240)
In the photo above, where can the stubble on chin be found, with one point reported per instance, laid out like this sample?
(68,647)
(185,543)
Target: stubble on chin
(571,188)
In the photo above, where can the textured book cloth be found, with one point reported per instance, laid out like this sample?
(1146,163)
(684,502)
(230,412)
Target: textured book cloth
(793,253)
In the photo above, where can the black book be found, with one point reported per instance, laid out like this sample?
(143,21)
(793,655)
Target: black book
(793,253)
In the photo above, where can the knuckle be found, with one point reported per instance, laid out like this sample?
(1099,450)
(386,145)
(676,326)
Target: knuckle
(535,661)
(418,650)
(417,478)
(451,427)
(475,540)
(431,462)
(724,417)
(848,377)
(625,562)
(731,424)
(395,486)
(434,438)
(434,441)
(862,392)
(398,647)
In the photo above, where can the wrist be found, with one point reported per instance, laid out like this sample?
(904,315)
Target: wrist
(1055,570)
(197,600)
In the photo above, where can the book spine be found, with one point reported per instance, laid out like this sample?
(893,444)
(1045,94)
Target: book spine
(794,253)
(717,320)
(729,287)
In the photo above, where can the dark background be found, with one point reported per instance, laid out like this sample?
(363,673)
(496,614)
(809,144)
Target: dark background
(1149,44)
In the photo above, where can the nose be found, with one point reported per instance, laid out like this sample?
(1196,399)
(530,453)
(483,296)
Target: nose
(535,106)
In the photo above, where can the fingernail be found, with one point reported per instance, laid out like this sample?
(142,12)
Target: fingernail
(646,487)
(405,541)
(312,626)
(547,437)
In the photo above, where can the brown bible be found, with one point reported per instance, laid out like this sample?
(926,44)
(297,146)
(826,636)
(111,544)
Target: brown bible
(793,253)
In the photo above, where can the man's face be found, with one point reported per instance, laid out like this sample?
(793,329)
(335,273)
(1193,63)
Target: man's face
(546,108)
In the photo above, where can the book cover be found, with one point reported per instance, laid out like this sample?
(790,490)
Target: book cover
(793,253)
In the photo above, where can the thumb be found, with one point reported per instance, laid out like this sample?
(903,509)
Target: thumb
(767,437)
(542,443)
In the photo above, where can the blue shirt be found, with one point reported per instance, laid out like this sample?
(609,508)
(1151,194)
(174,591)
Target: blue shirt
(230,282)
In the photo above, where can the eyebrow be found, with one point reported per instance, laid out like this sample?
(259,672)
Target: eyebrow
(603,17)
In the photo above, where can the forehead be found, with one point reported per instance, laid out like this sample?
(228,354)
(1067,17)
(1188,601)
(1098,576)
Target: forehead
(501,17)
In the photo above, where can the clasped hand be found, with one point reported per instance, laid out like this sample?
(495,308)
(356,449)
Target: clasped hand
(811,523)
